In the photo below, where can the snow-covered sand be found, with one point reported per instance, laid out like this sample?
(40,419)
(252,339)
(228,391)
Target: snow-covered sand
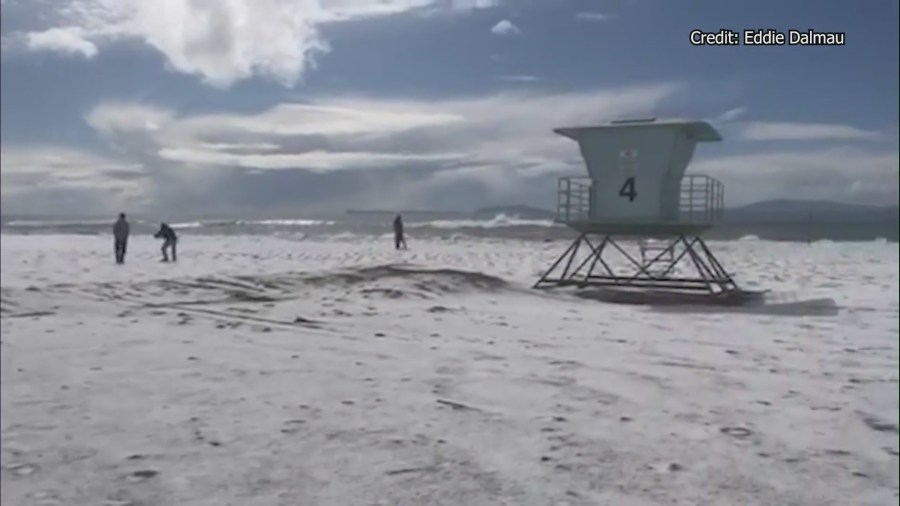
(270,371)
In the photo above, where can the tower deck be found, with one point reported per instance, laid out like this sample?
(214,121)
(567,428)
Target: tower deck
(700,208)
(638,229)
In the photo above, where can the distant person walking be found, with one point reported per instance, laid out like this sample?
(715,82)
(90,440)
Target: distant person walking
(169,240)
(399,239)
(120,233)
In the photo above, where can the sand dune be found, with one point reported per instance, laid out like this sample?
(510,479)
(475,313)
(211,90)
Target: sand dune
(267,371)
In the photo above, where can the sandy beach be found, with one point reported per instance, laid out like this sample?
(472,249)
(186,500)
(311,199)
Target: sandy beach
(272,371)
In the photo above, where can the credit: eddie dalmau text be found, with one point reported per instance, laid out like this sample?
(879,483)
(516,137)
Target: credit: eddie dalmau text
(766,37)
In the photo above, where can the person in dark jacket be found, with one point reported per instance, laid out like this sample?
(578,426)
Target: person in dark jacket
(169,240)
(399,240)
(120,234)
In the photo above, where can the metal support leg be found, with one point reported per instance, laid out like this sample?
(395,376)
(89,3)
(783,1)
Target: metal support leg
(570,252)
(710,276)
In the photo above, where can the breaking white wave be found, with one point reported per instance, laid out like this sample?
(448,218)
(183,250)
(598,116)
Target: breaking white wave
(288,223)
(188,224)
(499,221)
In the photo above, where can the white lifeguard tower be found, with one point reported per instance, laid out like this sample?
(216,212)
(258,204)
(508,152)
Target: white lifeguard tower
(637,194)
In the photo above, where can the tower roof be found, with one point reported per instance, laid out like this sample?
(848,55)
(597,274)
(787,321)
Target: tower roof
(699,131)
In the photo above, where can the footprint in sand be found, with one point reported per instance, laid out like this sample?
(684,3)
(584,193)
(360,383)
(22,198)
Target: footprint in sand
(22,469)
(292,426)
(119,502)
(565,364)
(142,475)
(487,357)
(738,432)
(46,498)
(880,425)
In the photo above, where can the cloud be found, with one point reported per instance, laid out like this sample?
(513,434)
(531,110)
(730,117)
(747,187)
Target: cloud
(344,150)
(113,117)
(41,178)
(65,40)
(474,4)
(848,174)
(221,42)
(518,78)
(774,131)
(505,27)
(326,118)
(329,153)
(731,114)
(62,165)
(312,161)
(349,133)
(596,16)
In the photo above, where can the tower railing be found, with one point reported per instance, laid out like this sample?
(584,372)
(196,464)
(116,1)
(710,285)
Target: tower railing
(701,200)
(573,199)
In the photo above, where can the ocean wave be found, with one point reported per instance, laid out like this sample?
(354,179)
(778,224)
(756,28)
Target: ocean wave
(347,236)
(499,221)
(288,223)
(188,224)
(56,223)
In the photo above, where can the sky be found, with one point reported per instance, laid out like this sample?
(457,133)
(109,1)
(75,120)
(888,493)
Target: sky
(294,107)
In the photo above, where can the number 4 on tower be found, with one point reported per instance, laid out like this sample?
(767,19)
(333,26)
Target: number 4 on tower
(628,190)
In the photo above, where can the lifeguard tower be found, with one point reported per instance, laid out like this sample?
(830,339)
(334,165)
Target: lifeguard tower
(636,196)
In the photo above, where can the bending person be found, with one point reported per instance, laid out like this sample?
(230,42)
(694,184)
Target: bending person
(169,241)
